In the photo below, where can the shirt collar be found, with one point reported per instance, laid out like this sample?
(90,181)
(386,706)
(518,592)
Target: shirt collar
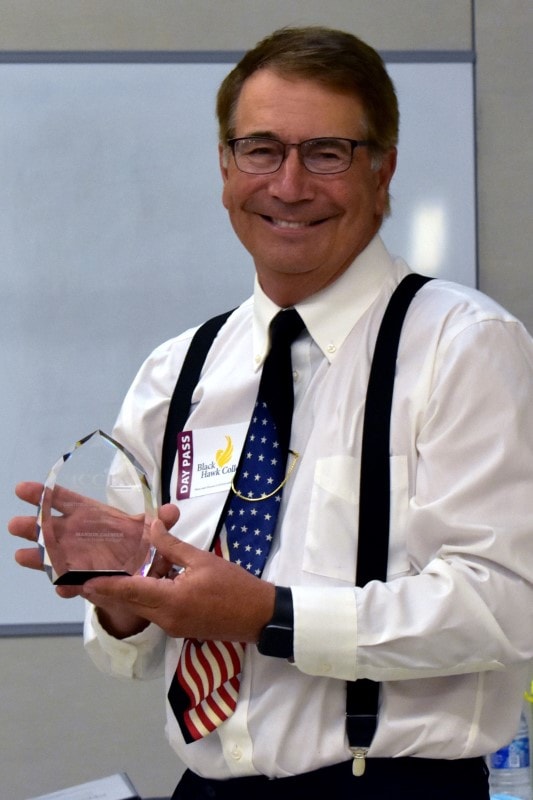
(329,315)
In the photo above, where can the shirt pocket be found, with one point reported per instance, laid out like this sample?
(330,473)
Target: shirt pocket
(331,544)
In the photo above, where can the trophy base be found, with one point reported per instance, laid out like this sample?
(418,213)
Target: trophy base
(77,577)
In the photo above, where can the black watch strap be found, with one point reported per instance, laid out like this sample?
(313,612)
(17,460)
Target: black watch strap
(277,637)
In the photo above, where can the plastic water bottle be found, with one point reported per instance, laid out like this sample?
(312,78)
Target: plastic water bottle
(510,775)
(529,713)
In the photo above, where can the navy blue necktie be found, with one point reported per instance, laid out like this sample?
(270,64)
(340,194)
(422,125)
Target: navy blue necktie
(205,688)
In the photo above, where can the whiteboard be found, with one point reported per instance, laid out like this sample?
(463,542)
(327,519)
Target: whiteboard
(113,238)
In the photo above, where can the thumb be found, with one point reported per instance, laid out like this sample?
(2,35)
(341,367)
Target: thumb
(174,550)
(169,515)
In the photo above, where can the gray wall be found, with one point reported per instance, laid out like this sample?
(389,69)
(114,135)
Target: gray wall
(62,722)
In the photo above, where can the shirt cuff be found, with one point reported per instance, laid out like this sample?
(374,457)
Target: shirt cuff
(325,631)
(138,656)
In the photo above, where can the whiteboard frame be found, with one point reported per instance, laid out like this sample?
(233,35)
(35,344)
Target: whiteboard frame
(71,627)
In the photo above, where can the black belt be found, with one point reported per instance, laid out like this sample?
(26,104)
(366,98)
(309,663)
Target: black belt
(384,779)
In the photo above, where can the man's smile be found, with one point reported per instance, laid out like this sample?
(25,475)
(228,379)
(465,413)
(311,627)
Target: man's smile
(291,224)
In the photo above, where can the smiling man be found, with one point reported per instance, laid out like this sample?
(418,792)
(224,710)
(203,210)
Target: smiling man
(255,608)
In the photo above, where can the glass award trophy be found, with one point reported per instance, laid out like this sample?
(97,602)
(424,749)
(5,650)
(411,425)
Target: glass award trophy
(95,514)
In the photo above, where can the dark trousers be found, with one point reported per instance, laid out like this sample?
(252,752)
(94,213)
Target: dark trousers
(384,779)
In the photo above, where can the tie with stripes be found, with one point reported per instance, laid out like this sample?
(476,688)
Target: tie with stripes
(204,690)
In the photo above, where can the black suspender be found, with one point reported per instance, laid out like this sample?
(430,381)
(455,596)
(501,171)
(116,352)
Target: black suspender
(374,499)
(180,402)
(374,502)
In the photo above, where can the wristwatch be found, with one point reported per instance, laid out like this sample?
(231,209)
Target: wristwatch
(277,637)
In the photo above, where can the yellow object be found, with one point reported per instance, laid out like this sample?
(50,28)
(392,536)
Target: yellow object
(224,455)
(529,697)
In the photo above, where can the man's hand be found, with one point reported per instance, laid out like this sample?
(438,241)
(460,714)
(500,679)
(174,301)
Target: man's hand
(25,527)
(208,598)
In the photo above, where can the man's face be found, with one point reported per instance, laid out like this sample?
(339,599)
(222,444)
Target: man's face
(302,229)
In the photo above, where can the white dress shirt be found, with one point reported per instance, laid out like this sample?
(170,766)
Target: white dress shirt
(450,633)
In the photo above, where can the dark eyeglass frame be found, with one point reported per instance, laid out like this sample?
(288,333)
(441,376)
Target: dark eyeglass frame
(354,143)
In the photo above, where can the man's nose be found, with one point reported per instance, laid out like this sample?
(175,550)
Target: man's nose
(292,181)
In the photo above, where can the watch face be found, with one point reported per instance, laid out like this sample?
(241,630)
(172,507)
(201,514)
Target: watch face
(276,641)
(277,637)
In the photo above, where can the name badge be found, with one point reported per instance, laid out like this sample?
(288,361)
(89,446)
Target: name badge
(207,459)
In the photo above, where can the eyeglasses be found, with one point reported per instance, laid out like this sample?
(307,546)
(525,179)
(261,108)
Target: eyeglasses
(261,155)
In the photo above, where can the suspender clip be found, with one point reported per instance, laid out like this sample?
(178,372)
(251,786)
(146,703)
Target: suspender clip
(359,763)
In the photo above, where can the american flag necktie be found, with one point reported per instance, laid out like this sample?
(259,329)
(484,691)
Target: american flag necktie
(205,688)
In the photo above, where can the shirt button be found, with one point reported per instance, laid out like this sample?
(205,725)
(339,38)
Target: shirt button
(295,375)
(326,669)
(331,348)
(236,752)
(257,359)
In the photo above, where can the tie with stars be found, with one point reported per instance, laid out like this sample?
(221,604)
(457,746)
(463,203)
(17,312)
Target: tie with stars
(205,688)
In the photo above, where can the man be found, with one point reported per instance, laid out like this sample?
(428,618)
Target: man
(308,133)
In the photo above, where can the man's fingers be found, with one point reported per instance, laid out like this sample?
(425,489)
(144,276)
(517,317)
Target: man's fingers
(68,592)
(29,557)
(141,593)
(24,527)
(64,499)
(29,491)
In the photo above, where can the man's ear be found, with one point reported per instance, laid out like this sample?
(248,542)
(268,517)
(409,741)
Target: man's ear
(223,155)
(384,174)
(388,166)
